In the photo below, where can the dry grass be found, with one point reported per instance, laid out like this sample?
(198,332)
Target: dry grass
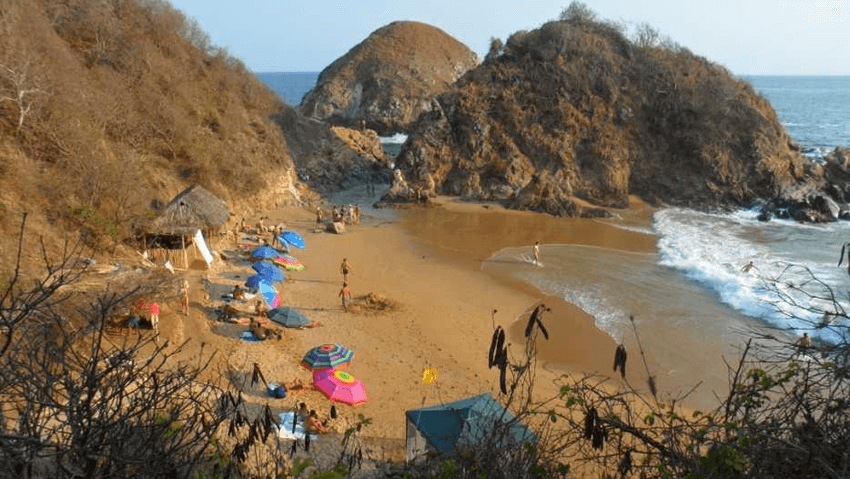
(130,105)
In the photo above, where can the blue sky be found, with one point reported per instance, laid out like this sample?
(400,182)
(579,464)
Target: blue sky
(749,37)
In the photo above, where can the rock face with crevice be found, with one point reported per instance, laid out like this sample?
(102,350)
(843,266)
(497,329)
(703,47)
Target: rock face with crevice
(573,117)
(389,79)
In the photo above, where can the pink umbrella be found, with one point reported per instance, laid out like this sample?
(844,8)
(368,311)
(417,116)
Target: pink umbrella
(340,386)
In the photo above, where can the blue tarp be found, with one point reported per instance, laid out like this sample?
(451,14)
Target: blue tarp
(466,423)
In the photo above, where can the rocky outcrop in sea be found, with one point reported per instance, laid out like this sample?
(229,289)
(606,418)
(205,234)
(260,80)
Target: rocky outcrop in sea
(572,118)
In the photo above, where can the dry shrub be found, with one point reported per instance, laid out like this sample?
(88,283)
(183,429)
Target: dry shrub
(132,105)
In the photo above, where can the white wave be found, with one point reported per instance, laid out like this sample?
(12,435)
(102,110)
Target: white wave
(713,249)
(398,138)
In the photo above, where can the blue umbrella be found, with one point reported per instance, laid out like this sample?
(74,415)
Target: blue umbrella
(289,317)
(254,281)
(270,295)
(293,238)
(264,252)
(268,270)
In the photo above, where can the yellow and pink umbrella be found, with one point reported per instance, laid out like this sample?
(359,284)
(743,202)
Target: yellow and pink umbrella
(340,386)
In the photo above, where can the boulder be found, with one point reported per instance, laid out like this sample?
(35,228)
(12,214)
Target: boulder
(336,227)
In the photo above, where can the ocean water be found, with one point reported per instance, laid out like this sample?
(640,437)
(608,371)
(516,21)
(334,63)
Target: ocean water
(291,86)
(812,108)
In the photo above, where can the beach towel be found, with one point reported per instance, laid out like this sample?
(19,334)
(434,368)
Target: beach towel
(249,336)
(285,428)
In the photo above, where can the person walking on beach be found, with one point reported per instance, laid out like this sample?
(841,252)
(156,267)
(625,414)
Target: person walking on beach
(345,296)
(345,268)
(184,297)
(154,308)
(536,252)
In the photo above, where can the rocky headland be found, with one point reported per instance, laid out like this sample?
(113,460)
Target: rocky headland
(389,79)
(573,117)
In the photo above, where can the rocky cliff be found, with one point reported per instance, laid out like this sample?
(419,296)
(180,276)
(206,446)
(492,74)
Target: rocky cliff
(389,79)
(574,113)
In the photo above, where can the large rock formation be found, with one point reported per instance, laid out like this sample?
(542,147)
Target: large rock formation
(388,79)
(574,113)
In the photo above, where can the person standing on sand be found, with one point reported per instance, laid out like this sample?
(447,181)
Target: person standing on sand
(318,214)
(343,294)
(345,268)
(536,252)
(184,297)
(154,308)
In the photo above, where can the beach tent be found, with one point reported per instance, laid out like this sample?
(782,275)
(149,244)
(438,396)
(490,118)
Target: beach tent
(193,209)
(469,422)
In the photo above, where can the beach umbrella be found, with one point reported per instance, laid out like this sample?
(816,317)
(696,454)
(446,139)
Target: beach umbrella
(327,356)
(293,238)
(268,270)
(269,294)
(289,317)
(264,252)
(340,386)
(289,262)
(254,281)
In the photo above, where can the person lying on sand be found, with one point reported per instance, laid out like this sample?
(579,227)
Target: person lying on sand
(313,324)
(297,385)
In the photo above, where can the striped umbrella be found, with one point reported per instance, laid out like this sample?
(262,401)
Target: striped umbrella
(327,356)
(289,262)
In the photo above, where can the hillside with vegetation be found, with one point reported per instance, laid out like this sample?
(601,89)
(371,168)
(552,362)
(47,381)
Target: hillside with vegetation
(576,115)
(108,109)
(389,78)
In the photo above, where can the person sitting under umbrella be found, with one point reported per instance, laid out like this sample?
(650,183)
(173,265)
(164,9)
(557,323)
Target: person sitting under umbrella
(238,292)
(314,424)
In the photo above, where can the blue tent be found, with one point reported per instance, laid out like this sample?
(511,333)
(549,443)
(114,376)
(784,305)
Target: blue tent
(463,423)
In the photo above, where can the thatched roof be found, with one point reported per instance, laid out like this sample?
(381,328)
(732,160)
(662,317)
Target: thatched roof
(191,210)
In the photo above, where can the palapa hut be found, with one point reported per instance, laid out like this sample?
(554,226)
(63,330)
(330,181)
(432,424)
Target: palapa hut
(193,209)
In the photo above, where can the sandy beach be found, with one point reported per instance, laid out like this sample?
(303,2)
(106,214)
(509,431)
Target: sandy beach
(442,316)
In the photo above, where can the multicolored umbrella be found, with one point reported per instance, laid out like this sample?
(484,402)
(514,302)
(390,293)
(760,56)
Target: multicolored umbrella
(327,356)
(268,270)
(264,252)
(269,294)
(289,262)
(340,386)
(289,317)
(293,238)
(254,281)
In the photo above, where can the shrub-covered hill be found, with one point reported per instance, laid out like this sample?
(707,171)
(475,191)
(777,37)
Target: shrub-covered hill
(389,78)
(115,106)
(575,110)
